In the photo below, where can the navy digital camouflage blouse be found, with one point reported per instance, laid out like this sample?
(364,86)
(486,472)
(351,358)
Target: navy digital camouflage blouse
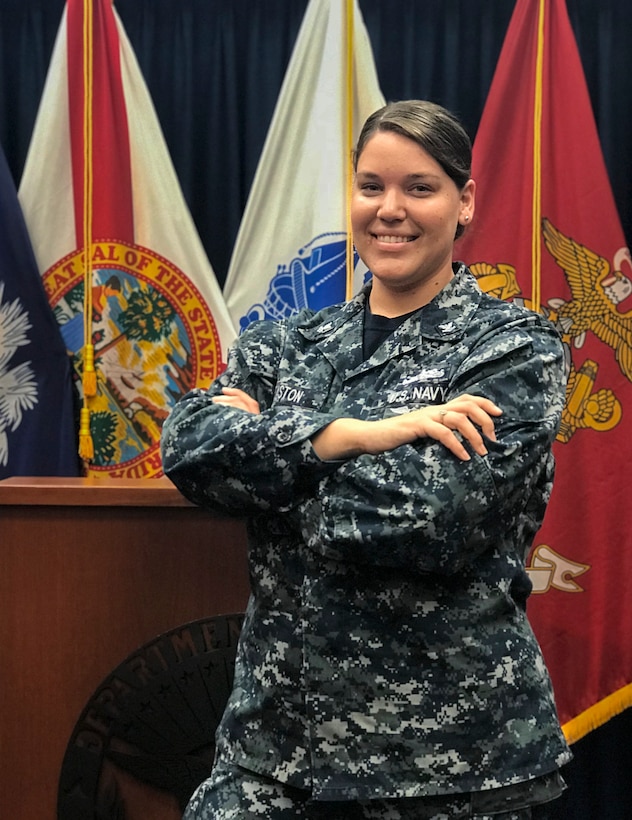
(386,651)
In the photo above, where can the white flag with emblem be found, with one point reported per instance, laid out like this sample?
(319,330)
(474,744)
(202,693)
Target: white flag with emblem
(291,248)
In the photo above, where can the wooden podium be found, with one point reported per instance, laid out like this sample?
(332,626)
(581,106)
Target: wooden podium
(90,570)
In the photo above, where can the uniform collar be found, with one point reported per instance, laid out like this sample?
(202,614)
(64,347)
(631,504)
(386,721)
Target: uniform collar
(445,317)
(338,330)
(450,312)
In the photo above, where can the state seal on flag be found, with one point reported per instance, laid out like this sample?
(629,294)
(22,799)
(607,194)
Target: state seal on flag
(154,339)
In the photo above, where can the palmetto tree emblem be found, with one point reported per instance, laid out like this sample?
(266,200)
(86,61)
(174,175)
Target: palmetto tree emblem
(147,317)
(18,387)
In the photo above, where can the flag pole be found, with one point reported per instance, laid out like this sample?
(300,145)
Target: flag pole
(86,445)
(536,247)
(349,145)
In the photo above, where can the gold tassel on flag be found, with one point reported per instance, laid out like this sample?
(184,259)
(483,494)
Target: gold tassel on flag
(89,371)
(86,445)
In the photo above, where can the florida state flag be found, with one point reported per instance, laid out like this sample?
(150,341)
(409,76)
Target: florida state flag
(546,232)
(123,266)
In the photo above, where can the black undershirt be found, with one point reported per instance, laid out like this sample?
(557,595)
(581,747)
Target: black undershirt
(378,328)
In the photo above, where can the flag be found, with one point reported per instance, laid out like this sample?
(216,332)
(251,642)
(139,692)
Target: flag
(546,232)
(123,266)
(293,248)
(37,431)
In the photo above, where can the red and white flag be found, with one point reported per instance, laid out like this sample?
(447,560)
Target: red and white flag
(547,232)
(143,301)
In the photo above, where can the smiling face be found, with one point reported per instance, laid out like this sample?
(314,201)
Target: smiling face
(404,213)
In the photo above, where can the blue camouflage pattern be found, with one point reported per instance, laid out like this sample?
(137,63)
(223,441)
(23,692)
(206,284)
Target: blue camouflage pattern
(233,793)
(386,650)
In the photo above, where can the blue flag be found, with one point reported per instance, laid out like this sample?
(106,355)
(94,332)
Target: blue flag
(37,430)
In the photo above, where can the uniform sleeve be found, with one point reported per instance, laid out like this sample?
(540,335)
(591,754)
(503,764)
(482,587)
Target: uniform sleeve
(419,506)
(226,459)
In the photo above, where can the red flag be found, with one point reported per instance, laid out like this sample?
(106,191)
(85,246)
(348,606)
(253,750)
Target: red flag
(144,302)
(546,231)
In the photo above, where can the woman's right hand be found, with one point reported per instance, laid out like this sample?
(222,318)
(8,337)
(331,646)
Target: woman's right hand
(233,397)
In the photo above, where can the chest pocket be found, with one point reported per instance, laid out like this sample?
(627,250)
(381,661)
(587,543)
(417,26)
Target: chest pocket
(309,384)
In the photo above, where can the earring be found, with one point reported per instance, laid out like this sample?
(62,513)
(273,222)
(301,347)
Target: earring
(467,218)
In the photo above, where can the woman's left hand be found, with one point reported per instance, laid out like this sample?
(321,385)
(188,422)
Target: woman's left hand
(348,437)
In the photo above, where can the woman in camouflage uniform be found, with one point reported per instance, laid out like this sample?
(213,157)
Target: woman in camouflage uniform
(392,456)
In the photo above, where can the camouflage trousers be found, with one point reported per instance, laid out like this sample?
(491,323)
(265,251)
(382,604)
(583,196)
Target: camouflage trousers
(233,793)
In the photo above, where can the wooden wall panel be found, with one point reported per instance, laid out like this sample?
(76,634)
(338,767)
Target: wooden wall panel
(89,572)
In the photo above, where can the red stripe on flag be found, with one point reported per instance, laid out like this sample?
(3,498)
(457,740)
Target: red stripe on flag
(112,203)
